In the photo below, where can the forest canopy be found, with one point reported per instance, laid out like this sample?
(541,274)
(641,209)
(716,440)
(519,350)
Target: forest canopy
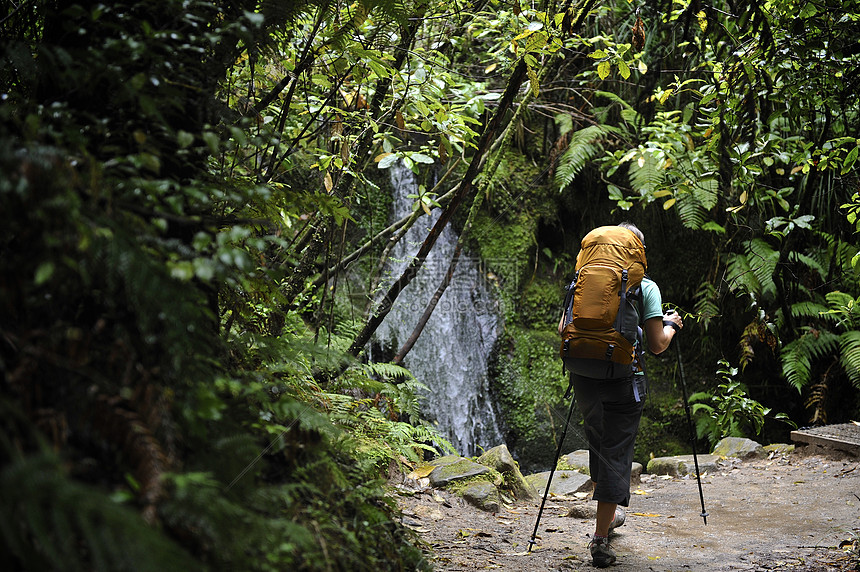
(196,210)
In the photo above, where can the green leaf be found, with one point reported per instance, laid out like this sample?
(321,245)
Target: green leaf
(44,273)
(421,158)
(387,161)
(850,159)
(603,69)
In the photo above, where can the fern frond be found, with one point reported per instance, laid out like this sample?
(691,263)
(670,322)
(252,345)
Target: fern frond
(745,345)
(564,123)
(389,371)
(739,275)
(798,356)
(808,309)
(584,145)
(817,402)
(697,191)
(691,211)
(849,358)
(51,522)
(810,262)
(796,364)
(706,306)
(646,173)
(762,259)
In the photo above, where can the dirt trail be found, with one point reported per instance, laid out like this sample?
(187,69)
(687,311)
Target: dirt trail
(799,512)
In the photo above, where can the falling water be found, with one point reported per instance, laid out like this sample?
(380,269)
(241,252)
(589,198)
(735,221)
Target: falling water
(450,357)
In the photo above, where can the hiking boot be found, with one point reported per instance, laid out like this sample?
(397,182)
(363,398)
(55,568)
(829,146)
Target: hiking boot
(601,554)
(618,519)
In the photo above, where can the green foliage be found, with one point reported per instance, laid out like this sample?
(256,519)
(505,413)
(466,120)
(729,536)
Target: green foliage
(836,334)
(54,522)
(729,412)
(583,146)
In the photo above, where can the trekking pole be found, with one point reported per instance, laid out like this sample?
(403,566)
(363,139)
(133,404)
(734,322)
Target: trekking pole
(704,514)
(552,471)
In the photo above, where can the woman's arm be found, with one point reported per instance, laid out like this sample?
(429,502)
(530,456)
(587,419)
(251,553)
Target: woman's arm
(660,336)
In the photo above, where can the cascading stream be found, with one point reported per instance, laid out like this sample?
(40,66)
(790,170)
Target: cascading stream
(450,357)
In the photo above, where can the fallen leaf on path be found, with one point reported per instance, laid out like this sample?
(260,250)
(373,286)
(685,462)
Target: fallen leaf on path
(417,528)
(421,472)
(644,514)
(642,492)
(523,553)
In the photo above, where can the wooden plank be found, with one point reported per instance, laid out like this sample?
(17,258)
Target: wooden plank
(825,441)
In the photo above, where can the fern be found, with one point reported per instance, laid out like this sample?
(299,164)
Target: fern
(739,276)
(52,522)
(696,199)
(844,309)
(799,355)
(706,307)
(584,145)
(810,262)
(849,358)
(763,259)
(808,309)
(647,173)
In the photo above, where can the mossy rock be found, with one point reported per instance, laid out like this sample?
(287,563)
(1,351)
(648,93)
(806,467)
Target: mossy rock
(482,494)
(578,461)
(739,447)
(655,439)
(779,448)
(446,474)
(564,483)
(500,459)
(681,465)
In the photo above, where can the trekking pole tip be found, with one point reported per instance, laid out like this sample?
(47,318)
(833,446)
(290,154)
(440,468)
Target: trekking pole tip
(705,517)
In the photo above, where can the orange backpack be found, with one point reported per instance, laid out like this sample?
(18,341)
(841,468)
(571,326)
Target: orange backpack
(600,320)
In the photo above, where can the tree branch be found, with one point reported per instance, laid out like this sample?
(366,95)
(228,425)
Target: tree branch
(516,79)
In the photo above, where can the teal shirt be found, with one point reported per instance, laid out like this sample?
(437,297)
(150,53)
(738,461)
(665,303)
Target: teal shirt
(651,305)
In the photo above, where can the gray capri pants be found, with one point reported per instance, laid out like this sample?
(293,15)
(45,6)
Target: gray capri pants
(611,415)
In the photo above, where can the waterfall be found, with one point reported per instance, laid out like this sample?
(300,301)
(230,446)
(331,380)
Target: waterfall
(450,357)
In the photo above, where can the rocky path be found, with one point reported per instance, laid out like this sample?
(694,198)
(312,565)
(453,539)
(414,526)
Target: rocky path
(788,512)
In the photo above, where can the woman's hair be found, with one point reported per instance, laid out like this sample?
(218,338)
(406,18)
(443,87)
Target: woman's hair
(632,228)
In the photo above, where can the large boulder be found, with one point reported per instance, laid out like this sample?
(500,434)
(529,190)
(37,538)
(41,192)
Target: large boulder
(500,459)
(564,483)
(739,447)
(681,465)
(460,469)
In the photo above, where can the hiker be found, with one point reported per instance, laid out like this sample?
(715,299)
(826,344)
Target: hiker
(609,392)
